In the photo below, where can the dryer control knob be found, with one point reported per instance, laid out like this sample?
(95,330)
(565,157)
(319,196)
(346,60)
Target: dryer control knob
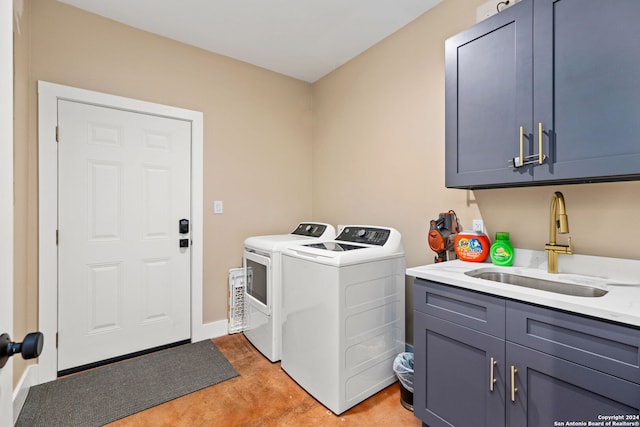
(361,233)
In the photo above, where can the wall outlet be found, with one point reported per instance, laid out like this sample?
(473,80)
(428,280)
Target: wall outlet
(478,225)
(217,207)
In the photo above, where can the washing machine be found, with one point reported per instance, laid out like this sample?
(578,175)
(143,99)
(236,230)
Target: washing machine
(343,314)
(263,283)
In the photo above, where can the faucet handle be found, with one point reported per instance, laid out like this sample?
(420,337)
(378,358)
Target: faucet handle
(570,248)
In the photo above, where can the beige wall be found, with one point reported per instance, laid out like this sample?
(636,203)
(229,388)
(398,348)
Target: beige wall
(25,215)
(378,151)
(378,155)
(363,145)
(257,133)
(601,216)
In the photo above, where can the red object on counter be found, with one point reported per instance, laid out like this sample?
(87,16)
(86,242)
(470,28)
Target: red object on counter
(472,246)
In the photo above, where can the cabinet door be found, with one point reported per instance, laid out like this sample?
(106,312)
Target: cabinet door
(551,390)
(586,91)
(489,87)
(452,375)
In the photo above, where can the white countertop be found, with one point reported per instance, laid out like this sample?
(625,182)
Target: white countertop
(620,277)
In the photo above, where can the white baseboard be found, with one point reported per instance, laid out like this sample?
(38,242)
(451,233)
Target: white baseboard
(210,330)
(29,378)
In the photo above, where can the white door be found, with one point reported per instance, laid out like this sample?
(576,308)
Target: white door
(124,279)
(6,204)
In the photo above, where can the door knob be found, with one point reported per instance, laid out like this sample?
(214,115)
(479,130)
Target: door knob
(29,348)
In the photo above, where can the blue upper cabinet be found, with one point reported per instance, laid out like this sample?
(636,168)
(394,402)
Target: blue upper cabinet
(544,92)
(489,83)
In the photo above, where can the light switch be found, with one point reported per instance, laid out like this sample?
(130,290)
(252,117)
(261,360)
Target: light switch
(217,206)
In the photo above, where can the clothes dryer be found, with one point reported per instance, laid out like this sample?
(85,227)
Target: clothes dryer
(344,314)
(263,282)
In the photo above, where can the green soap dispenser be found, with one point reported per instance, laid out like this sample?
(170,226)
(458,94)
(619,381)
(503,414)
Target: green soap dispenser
(501,251)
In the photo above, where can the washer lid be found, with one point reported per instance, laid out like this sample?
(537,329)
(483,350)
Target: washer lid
(335,246)
(384,243)
(301,234)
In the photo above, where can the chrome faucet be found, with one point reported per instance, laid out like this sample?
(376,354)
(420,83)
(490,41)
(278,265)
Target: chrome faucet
(557,221)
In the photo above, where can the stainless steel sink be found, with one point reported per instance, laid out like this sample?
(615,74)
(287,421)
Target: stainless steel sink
(541,284)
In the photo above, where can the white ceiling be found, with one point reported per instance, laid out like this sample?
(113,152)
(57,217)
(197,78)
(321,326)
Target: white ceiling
(305,39)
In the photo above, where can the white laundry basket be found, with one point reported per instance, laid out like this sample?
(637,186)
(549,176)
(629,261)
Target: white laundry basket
(237,312)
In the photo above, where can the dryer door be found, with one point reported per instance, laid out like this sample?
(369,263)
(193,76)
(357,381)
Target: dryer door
(257,269)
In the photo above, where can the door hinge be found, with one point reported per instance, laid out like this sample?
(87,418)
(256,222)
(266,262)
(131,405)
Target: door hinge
(57,234)
(56,340)
(57,134)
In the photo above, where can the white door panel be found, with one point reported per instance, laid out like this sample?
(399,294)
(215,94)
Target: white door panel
(124,182)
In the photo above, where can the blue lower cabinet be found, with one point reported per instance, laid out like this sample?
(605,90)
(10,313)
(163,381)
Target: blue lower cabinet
(569,371)
(455,375)
(550,391)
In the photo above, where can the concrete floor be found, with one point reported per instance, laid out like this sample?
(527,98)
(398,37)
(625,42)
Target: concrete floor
(264,395)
